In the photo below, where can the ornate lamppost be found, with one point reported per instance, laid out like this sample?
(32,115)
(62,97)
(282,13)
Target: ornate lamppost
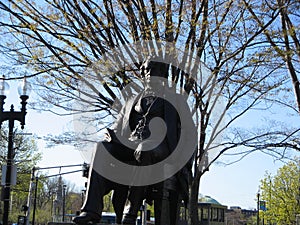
(11,116)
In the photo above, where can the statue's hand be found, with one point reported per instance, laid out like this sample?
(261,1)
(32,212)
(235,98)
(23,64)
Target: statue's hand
(137,154)
(107,137)
(110,136)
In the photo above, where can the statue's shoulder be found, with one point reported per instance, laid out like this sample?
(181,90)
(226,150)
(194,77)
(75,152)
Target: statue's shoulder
(172,94)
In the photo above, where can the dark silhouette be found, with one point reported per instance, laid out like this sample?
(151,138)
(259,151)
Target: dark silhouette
(136,115)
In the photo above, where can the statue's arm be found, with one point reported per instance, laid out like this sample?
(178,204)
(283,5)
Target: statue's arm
(111,132)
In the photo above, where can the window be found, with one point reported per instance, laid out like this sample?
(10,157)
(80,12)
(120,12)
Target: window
(200,214)
(204,214)
(221,215)
(214,214)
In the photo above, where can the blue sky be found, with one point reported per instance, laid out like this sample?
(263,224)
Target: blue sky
(238,184)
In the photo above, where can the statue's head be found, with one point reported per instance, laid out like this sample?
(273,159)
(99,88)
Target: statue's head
(151,68)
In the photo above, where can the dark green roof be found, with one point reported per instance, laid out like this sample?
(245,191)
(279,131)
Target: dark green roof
(208,199)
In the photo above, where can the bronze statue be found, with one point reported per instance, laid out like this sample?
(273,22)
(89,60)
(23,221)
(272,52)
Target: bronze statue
(137,114)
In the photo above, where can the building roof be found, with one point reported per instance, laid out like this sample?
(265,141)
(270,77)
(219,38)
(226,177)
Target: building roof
(208,199)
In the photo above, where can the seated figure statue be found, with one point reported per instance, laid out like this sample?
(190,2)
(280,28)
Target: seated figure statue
(137,114)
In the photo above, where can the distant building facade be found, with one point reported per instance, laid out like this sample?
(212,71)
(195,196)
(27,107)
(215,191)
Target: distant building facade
(211,212)
(235,215)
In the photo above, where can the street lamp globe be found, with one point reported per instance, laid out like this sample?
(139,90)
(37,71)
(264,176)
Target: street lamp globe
(4,87)
(24,88)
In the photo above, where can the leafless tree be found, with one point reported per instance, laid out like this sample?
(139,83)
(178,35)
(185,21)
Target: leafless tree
(230,62)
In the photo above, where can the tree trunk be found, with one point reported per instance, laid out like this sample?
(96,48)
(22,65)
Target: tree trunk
(193,205)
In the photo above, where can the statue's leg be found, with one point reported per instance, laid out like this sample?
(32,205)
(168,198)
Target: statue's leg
(118,200)
(161,206)
(136,193)
(166,204)
(157,210)
(134,202)
(174,207)
(166,208)
(91,210)
(120,193)
(98,186)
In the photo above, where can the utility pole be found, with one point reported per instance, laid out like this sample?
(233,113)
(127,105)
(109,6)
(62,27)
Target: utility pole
(64,203)
(258,195)
(29,199)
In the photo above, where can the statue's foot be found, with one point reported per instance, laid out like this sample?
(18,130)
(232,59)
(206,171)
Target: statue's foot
(87,218)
